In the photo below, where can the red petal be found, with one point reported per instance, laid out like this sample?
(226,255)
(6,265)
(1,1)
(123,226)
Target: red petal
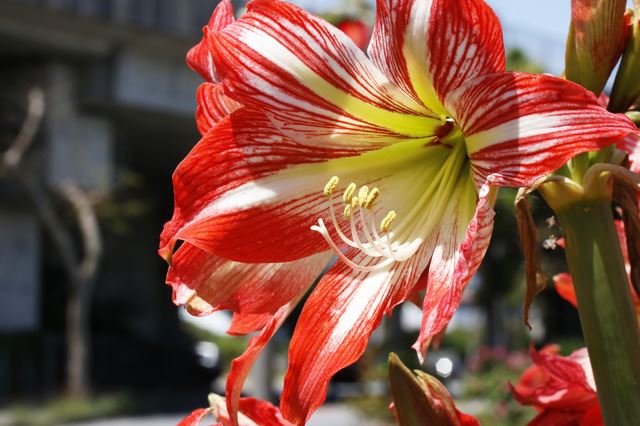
(255,288)
(242,324)
(452,266)
(557,382)
(262,412)
(549,417)
(593,416)
(520,127)
(195,417)
(199,56)
(335,324)
(453,40)
(213,106)
(312,80)
(253,412)
(241,366)
(564,286)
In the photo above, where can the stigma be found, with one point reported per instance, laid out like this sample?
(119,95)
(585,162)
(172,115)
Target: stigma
(374,238)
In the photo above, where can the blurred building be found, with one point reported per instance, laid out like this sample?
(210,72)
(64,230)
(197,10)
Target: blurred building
(119,102)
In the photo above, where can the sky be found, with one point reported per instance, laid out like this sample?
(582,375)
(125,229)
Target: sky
(539,27)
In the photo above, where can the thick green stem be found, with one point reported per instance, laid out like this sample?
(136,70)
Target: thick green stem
(607,315)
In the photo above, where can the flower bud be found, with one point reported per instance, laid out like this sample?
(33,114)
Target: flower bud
(596,38)
(626,89)
(421,399)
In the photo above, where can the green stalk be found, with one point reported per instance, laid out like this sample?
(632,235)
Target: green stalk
(579,166)
(607,315)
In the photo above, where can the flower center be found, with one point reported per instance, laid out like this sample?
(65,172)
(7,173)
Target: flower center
(421,197)
(358,212)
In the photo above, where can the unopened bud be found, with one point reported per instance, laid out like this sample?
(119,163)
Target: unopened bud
(596,39)
(626,88)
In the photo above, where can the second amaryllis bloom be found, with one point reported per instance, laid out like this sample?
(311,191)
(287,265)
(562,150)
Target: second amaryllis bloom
(388,160)
(562,389)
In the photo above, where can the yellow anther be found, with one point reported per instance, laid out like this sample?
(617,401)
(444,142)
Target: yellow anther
(443,119)
(347,211)
(348,193)
(330,186)
(362,194)
(371,198)
(354,202)
(386,222)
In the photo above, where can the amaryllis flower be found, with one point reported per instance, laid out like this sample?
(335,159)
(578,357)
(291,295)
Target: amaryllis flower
(388,160)
(561,388)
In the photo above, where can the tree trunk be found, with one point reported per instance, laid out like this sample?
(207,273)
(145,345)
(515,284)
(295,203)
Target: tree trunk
(78,339)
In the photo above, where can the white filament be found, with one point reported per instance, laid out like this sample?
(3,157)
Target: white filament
(376,245)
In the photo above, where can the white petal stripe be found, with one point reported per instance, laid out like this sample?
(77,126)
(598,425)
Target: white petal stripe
(520,128)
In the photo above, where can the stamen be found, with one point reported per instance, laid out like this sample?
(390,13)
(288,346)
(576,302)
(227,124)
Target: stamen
(362,194)
(331,185)
(354,202)
(322,229)
(375,246)
(348,193)
(386,222)
(371,198)
(334,220)
(374,250)
(347,211)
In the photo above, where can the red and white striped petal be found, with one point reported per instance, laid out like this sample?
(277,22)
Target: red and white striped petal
(520,127)
(429,47)
(213,106)
(335,325)
(199,56)
(241,149)
(460,248)
(214,283)
(249,194)
(312,80)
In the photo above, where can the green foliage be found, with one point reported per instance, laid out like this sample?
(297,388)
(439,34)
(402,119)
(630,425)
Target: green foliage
(462,341)
(517,60)
(67,410)
(490,387)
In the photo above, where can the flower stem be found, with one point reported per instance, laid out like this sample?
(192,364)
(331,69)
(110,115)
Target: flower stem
(579,166)
(606,312)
